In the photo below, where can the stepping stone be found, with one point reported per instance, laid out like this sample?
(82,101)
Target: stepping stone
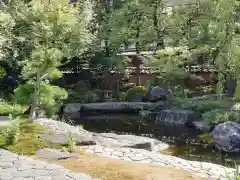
(52,154)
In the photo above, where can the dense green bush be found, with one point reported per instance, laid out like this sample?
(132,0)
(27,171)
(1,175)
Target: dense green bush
(91,97)
(80,96)
(135,91)
(7,108)
(218,116)
(50,96)
(200,106)
(122,96)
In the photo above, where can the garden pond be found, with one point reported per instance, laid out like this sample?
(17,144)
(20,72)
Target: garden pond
(185,142)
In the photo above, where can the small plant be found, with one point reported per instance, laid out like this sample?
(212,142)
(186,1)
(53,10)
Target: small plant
(80,127)
(122,96)
(71,143)
(220,116)
(13,132)
(235,175)
(200,106)
(135,91)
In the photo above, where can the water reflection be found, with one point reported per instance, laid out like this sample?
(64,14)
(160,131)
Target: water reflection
(184,142)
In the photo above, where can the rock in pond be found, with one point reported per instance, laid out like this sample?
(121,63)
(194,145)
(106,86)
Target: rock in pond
(119,107)
(138,142)
(177,117)
(202,126)
(147,114)
(236,107)
(226,136)
(71,110)
(158,94)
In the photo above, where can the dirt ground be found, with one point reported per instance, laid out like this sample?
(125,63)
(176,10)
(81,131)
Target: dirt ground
(110,169)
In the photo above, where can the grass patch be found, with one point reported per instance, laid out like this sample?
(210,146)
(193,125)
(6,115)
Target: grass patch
(29,140)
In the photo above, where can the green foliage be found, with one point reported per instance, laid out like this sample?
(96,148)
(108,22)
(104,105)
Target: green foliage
(135,91)
(7,108)
(12,133)
(55,74)
(122,96)
(71,143)
(218,116)
(80,96)
(50,96)
(29,140)
(42,35)
(235,175)
(2,72)
(91,97)
(200,106)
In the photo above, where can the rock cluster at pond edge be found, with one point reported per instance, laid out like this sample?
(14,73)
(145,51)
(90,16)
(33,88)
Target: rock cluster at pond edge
(226,136)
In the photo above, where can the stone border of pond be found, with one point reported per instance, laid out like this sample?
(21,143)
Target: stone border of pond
(203,169)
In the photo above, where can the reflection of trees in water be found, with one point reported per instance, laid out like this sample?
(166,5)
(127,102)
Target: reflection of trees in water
(184,142)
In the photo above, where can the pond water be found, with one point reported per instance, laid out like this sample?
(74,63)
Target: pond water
(186,143)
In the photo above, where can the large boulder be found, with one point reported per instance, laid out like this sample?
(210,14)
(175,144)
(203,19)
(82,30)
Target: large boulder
(71,110)
(158,94)
(177,117)
(119,107)
(226,136)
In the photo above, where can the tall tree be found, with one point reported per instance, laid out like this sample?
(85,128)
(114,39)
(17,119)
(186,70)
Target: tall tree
(53,30)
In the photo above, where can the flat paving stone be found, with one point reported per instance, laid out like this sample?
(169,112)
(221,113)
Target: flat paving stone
(15,167)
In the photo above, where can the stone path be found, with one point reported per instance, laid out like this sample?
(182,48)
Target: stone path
(202,169)
(15,167)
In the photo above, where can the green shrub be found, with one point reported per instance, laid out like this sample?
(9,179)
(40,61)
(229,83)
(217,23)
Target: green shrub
(200,106)
(7,108)
(29,140)
(13,132)
(218,116)
(122,96)
(135,91)
(50,96)
(234,175)
(91,97)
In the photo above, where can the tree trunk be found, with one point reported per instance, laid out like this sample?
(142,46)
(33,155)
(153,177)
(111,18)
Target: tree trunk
(34,106)
(138,80)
